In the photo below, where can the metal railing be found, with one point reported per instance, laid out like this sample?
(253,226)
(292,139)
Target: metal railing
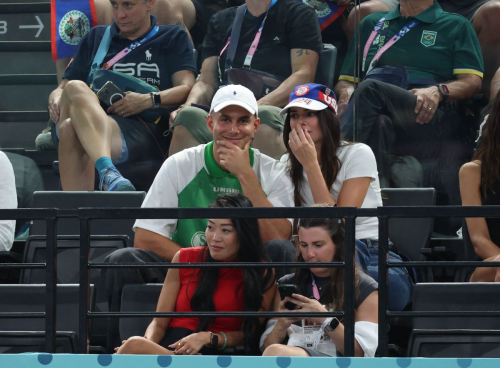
(86,215)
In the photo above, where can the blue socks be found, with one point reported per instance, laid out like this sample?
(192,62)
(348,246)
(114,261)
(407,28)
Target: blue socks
(111,179)
(103,163)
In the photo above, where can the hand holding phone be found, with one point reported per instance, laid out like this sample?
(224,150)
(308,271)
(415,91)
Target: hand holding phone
(110,93)
(287,290)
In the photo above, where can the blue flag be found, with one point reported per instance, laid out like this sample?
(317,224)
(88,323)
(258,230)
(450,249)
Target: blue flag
(70,21)
(326,11)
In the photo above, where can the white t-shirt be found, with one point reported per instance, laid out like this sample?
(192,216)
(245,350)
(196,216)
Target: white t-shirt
(192,178)
(8,200)
(357,161)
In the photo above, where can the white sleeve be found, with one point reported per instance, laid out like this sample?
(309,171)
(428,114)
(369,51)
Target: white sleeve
(163,193)
(8,200)
(366,334)
(280,190)
(360,163)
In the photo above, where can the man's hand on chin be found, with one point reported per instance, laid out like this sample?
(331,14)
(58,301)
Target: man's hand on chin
(233,158)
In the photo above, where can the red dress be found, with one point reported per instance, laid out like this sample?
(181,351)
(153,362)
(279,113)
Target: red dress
(228,296)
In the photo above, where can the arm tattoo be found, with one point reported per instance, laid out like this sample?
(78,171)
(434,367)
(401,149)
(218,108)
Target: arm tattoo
(302,52)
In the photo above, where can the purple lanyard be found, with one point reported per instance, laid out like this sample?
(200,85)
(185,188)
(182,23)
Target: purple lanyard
(253,46)
(315,288)
(132,46)
(412,24)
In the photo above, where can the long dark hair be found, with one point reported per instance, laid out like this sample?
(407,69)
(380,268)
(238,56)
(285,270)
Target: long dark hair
(256,281)
(336,230)
(489,150)
(330,163)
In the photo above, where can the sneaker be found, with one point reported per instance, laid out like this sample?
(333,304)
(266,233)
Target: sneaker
(43,141)
(113,181)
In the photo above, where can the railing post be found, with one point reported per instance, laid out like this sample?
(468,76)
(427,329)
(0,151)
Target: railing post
(83,299)
(349,306)
(383,286)
(51,285)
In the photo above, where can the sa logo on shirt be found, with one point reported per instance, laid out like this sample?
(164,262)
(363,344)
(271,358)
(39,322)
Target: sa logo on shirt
(428,38)
(198,239)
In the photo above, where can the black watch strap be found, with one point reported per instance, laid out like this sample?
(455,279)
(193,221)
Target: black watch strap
(214,341)
(157,99)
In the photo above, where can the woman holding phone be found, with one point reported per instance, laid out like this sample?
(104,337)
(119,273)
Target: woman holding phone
(207,289)
(322,290)
(324,168)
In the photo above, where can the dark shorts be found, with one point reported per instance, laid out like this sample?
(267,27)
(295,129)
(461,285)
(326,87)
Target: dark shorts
(468,11)
(141,142)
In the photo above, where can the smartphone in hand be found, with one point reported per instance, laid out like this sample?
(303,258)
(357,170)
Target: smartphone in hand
(287,290)
(110,93)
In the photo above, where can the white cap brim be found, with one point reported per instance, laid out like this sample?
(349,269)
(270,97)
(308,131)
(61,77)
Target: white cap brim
(239,103)
(304,103)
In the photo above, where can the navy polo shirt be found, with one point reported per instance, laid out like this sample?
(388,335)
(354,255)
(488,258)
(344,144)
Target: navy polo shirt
(167,52)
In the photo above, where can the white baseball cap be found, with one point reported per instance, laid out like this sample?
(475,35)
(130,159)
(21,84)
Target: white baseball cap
(234,94)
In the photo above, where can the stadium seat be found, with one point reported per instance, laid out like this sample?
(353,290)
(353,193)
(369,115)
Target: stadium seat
(31,298)
(326,66)
(68,252)
(410,235)
(15,342)
(467,254)
(72,200)
(446,337)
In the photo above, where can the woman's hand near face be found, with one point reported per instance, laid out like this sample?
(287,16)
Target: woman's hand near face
(303,147)
(192,344)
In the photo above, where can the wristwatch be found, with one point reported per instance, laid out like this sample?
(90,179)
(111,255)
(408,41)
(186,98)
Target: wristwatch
(156,98)
(214,340)
(332,325)
(445,92)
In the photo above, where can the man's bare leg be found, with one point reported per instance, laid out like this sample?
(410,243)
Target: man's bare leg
(363,10)
(487,26)
(181,139)
(89,131)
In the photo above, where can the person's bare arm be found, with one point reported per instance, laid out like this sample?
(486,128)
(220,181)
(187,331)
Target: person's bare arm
(470,186)
(367,311)
(159,244)
(428,99)
(134,103)
(166,303)
(206,86)
(304,64)
(495,85)
(344,90)
(237,162)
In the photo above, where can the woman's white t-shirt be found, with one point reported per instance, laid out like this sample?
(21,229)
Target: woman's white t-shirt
(357,161)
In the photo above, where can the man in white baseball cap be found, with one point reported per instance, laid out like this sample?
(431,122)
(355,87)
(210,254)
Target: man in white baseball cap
(195,177)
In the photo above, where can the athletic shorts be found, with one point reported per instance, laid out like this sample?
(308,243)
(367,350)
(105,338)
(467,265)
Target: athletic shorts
(138,141)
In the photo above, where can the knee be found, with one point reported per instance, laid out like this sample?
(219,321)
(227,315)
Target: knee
(75,92)
(122,255)
(134,345)
(275,350)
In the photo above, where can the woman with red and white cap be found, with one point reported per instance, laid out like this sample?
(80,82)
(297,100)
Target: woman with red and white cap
(324,168)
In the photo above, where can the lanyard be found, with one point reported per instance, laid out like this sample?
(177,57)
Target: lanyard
(407,28)
(253,46)
(315,288)
(132,46)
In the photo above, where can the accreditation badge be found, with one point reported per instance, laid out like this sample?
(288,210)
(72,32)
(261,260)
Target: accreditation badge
(428,38)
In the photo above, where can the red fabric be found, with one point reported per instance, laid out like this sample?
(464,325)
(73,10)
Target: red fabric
(228,296)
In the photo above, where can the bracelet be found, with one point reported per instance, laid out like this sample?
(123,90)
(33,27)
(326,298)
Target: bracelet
(225,341)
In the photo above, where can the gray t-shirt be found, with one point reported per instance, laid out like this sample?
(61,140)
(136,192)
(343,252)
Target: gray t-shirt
(366,286)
